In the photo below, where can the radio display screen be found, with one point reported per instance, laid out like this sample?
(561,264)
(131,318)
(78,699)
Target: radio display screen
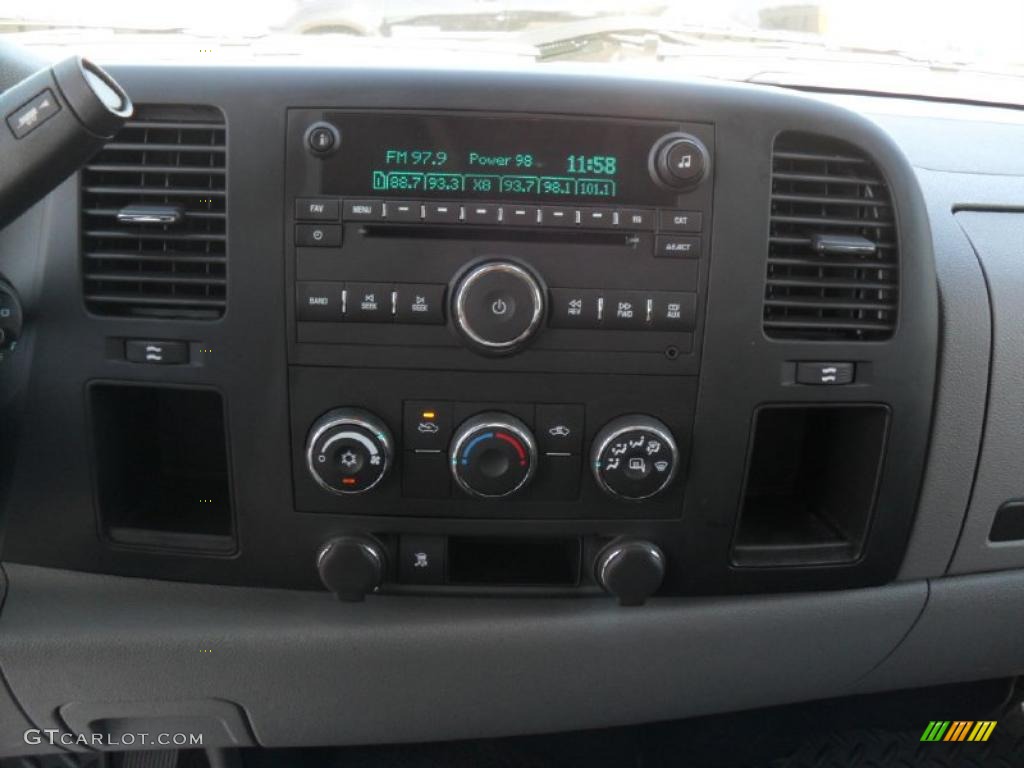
(514,158)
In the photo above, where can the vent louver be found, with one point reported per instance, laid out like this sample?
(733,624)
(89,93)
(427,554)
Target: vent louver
(167,163)
(833,264)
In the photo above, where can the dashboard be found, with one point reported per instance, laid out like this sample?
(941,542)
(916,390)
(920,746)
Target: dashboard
(562,364)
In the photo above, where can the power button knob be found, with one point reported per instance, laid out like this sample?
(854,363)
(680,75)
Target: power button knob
(498,307)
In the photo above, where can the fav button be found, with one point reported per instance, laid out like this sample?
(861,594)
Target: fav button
(416,303)
(316,209)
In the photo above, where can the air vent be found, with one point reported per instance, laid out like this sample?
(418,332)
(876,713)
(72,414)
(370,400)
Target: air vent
(833,265)
(154,218)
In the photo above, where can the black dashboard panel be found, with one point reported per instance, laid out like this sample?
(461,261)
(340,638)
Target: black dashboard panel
(278,366)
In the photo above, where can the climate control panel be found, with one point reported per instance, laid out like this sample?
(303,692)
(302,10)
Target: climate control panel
(479,453)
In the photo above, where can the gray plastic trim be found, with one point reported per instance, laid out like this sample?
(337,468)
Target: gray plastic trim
(961,387)
(971,630)
(309,670)
(997,238)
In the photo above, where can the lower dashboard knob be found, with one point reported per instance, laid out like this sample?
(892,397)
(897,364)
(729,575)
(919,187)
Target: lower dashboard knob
(632,570)
(634,457)
(498,307)
(352,566)
(349,451)
(493,455)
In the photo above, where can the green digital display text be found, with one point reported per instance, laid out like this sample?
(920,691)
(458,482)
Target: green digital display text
(484,173)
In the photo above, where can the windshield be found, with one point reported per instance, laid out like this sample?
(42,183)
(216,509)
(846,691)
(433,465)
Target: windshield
(908,47)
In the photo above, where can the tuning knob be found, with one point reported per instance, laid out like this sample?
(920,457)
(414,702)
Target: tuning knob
(634,457)
(630,569)
(493,455)
(497,307)
(352,566)
(349,451)
(679,161)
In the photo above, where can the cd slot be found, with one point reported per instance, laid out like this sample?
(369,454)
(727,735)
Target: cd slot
(511,234)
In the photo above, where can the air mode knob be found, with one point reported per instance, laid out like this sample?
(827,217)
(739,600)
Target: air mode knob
(493,455)
(634,457)
(498,306)
(349,451)
(679,161)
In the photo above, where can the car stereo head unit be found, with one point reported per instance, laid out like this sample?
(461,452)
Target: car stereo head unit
(474,241)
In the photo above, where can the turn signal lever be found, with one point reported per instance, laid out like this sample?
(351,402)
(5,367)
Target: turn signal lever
(53,122)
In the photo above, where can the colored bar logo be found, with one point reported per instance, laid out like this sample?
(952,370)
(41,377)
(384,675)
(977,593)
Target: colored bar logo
(958,730)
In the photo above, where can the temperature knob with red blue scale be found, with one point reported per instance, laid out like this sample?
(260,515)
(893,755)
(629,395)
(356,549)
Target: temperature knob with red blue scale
(493,455)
